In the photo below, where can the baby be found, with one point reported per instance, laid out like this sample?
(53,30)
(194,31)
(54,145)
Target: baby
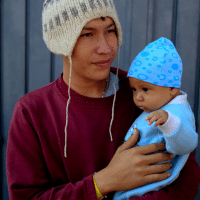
(155,78)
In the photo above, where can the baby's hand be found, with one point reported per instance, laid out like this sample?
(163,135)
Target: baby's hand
(160,116)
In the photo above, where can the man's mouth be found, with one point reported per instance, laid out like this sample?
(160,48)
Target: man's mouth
(103,63)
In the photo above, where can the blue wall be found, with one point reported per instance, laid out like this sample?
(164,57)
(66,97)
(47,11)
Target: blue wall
(26,63)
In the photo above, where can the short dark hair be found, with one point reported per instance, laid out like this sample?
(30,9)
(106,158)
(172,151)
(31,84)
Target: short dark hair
(102,18)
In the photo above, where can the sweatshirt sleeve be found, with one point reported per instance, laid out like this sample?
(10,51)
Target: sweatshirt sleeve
(27,174)
(179,135)
(184,188)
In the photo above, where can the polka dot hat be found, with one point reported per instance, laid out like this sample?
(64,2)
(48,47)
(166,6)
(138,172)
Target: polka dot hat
(159,63)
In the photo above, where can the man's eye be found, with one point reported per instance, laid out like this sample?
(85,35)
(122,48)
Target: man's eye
(86,35)
(145,89)
(111,31)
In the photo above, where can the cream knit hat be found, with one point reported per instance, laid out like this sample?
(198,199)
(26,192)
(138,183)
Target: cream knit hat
(63,21)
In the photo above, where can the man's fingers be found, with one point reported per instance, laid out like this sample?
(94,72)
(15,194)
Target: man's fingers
(154,178)
(158,157)
(130,142)
(158,168)
(157,177)
(151,148)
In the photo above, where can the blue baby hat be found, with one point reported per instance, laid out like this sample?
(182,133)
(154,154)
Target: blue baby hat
(159,63)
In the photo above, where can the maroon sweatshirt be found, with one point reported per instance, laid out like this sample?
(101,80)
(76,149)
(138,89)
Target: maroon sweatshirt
(36,166)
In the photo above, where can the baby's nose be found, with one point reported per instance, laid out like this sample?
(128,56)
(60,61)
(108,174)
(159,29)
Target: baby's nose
(139,97)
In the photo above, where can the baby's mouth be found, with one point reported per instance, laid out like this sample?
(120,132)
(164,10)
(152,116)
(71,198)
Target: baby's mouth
(141,107)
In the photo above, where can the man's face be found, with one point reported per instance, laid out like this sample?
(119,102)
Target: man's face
(95,50)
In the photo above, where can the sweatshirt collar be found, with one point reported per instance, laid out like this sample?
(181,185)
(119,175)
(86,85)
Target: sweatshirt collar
(81,100)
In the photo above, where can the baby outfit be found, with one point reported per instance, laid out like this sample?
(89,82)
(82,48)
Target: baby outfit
(160,64)
(179,135)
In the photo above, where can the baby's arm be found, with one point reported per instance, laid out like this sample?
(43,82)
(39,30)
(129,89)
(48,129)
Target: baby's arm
(160,116)
(179,134)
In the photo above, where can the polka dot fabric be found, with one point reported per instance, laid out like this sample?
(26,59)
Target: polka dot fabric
(159,63)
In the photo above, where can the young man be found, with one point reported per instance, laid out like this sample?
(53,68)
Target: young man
(59,134)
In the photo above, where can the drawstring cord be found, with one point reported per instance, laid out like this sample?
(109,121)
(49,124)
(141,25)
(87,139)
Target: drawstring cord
(67,110)
(111,122)
(68,101)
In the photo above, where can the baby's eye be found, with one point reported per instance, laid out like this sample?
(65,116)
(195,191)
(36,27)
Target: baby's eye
(145,89)
(133,89)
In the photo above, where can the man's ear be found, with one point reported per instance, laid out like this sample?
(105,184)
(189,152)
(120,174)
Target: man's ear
(174,91)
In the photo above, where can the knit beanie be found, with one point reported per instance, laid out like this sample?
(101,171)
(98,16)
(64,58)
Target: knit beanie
(159,63)
(63,21)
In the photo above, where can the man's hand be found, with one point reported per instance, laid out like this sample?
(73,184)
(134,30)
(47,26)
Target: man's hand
(132,167)
(160,116)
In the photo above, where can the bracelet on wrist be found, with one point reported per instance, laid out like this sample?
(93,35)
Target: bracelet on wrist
(98,193)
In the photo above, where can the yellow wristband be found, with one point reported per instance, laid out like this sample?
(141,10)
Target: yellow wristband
(98,193)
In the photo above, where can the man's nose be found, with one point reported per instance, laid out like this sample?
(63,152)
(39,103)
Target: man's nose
(103,46)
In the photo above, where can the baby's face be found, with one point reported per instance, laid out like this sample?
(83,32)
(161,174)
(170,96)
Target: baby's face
(149,97)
